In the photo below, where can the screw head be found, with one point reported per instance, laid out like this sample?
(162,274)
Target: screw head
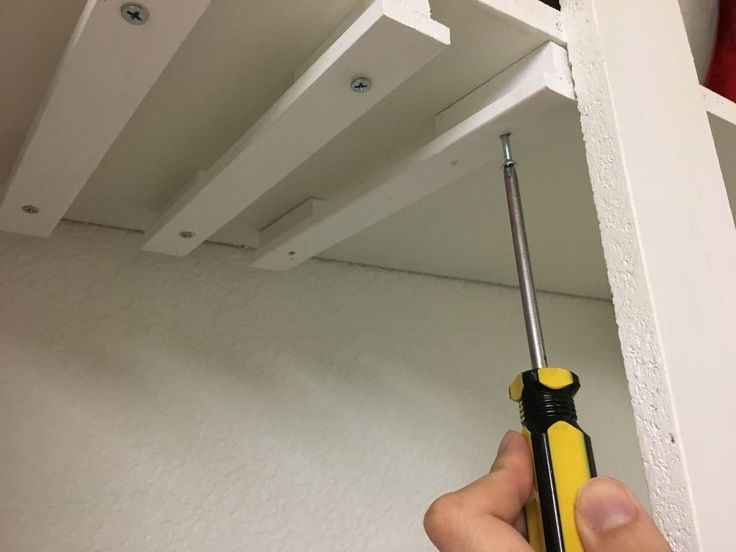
(360,85)
(135,14)
(186,234)
(30,209)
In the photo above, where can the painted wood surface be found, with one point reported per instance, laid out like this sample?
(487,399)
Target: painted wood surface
(387,44)
(108,68)
(670,247)
(513,102)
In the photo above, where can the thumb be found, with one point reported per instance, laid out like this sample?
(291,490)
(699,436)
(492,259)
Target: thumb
(610,519)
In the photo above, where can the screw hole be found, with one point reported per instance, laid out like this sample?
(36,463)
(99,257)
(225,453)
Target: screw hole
(30,209)
(292,253)
(186,234)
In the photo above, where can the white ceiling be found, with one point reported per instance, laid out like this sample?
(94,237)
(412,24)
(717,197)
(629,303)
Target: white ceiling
(238,60)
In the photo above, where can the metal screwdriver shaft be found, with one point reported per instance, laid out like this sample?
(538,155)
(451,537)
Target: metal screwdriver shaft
(562,452)
(523,262)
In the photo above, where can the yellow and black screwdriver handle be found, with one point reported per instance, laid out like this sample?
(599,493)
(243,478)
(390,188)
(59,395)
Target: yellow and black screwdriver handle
(562,454)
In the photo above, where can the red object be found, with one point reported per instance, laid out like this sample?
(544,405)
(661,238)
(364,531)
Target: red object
(722,72)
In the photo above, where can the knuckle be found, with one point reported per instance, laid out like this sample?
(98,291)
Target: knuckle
(445,518)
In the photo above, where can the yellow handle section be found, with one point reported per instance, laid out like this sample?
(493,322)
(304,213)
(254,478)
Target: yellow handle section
(571,469)
(569,464)
(562,455)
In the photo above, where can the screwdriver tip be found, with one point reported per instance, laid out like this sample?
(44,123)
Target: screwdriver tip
(508,160)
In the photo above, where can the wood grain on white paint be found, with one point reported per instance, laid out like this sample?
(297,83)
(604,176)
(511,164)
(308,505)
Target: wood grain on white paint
(108,68)
(387,44)
(670,247)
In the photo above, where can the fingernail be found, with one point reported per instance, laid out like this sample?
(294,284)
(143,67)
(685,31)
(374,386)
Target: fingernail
(604,505)
(505,442)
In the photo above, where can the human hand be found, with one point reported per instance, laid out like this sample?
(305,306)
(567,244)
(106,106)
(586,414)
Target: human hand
(487,515)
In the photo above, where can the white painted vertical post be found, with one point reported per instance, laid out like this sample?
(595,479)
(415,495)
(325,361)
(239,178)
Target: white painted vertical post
(670,247)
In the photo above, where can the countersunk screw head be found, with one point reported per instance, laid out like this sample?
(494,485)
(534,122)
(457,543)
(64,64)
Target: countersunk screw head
(360,85)
(30,209)
(186,234)
(135,14)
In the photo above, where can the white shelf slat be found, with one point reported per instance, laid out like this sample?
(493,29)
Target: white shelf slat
(518,96)
(107,69)
(529,14)
(387,43)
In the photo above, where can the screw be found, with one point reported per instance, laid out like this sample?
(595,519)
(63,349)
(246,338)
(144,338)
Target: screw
(361,85)
(186,234)
(135,14)
(30,209)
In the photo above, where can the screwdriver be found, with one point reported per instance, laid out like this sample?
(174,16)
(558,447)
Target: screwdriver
(561,452)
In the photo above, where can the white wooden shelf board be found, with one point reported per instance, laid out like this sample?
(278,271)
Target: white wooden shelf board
(722,117)
(237,62)
(37,39)
(234,65)
(526,16)
(517,99)
(387,43)
(244,59)
(495,35)
(108,67)
(462,230)
(186,124)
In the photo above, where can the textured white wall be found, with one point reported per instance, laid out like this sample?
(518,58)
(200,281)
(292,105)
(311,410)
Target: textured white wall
(150,403)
